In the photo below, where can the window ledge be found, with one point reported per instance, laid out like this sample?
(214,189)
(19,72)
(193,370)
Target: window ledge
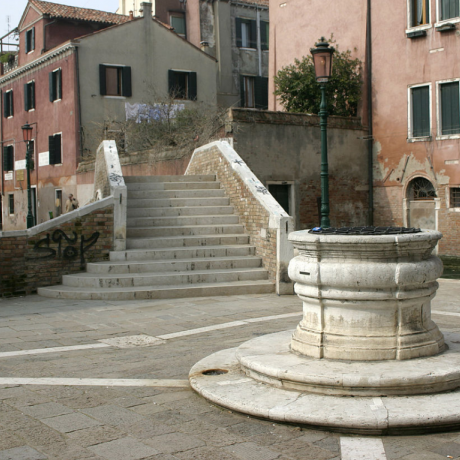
(416,33)
(114,97)
(447,137)
(446,26)
(420,139)
(454,20)
(417,28)
(454,209)
(247,49)
(57,100)
(31,110)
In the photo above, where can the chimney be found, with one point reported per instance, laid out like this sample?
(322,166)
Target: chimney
(131,16)
(147,8)
(205,47)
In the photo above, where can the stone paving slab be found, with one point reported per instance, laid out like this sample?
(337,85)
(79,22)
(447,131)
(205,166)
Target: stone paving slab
(155,416)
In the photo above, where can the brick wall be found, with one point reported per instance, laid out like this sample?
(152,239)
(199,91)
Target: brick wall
(253,215)
(29,262)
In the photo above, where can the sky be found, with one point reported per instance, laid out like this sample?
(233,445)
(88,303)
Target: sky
(13,9)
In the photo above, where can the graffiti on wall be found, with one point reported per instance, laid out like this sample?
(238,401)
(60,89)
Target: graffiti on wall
(67,246)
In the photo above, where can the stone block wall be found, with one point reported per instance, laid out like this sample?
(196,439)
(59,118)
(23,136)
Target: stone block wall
(36,258)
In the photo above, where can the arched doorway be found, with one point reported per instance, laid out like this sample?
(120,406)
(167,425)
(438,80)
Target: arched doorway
(422,200)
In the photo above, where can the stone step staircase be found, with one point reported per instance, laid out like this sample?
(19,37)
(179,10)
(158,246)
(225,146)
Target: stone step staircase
(183,240)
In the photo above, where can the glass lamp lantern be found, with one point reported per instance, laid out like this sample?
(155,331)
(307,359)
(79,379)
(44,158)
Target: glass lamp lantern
(322,59)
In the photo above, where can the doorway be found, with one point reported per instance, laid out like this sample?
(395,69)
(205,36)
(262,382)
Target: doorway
(34,204)
(422,203)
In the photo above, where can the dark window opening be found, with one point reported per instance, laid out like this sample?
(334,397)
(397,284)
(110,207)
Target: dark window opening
(8,104)
(449,9)
(55,85)
(29,96)
(177,21)
(115,80)
(11,203)
(55,149)
(246,33)
(254,92)
(421,112)
(280,193)
(264,29)
(30,40)
(8,158)
(455,197)
(450,108)
(421,189)
(420,12)
(58,203)
(182,85)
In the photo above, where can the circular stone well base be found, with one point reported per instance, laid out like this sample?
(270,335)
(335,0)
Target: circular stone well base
(233,389)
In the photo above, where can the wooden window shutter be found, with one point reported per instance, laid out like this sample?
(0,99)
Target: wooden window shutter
(102,80)
(242,95)
(57,148)
(5,158)
(126,82)
(52,150)
(5,105)
(239,42)
(253,40)
(421,111)
(171,88)
(261,93)
(52,87)
(263,35)
(192,86)
(450,110)
(32,95)
(33,39)
(26,97)
(59,84)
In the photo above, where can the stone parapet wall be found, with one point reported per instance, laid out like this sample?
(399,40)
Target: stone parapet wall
(263,218)
(41,255)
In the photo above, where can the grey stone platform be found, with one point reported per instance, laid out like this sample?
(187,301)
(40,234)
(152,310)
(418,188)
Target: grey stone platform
(276,388)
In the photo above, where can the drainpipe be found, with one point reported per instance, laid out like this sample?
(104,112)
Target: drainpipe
(259,44)
(78,104)
(370,141)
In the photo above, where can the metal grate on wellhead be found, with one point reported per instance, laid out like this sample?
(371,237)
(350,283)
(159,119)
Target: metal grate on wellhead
(364,230)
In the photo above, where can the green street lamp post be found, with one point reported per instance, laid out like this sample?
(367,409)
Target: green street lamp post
(27,135)
(322,59)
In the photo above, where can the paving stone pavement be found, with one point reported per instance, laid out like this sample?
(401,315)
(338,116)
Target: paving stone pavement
(154,422)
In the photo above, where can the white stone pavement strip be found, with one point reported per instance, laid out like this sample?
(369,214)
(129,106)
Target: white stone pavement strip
(445,313)
(167,383)
(362,449)
(146,340)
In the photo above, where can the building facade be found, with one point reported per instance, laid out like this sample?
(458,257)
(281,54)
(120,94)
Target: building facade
(67,92)
(410,53)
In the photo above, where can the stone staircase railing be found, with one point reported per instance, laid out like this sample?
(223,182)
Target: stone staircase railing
(263,218)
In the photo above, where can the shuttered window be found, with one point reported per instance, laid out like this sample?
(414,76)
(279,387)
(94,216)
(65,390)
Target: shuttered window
(30,40)
(55,149)
(254,92)
(246,33)
(264,28)
(182,85)
(449,9)
(450,110)
(177,21)
(8,104)
(29,96)
(55,85)
(421,126)
(115,80)
(8,158)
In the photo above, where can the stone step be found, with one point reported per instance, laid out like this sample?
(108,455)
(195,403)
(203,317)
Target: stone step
(186,241)
(198,178)
(182,211)
(181,221)
(92,280)
(150,232)
(177,202)
(160,292)
(159,194)
(138,186)
(180,265)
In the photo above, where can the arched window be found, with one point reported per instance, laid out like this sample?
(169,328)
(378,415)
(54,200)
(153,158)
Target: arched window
(421,189)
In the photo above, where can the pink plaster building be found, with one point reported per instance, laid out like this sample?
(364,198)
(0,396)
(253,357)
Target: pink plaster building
(410,51)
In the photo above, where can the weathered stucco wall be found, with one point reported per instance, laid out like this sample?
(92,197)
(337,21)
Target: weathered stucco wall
(280,147)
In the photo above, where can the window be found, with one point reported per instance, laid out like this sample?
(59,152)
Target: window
(8,158)
(182,85)
(11,203)
(55,149)
(30,40)
(420,120)
(449,9)
(29,96)
(177,21)
(115,80)
(8,104)
(254,92)
(264,29)
(454,197)
(55,87)
(246,33)
(281,193)
(449,108)
(419,12)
